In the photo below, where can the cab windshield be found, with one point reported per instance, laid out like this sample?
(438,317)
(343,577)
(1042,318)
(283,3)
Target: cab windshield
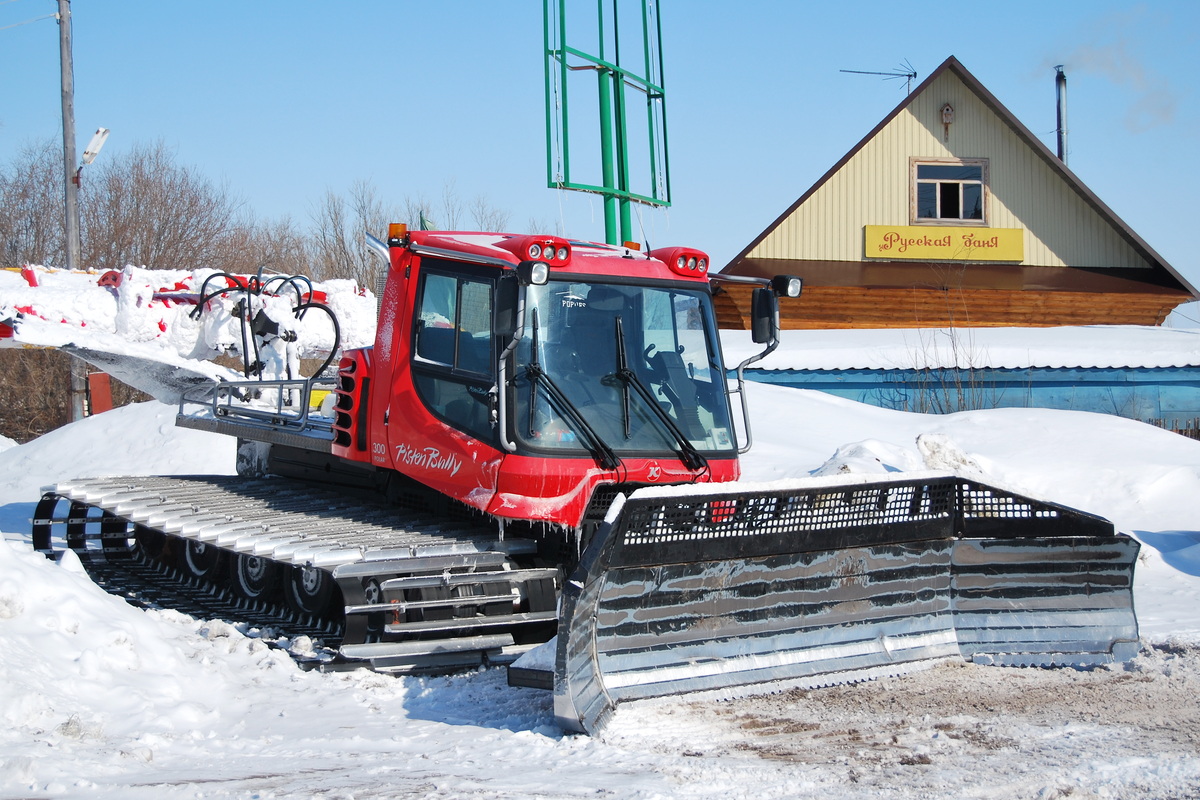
(593,358)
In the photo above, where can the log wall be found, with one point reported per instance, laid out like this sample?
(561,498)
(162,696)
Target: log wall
(833,307)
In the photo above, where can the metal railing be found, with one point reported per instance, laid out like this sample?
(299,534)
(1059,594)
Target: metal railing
(266,404)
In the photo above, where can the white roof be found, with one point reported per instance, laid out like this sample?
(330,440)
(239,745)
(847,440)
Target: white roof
(1091,346)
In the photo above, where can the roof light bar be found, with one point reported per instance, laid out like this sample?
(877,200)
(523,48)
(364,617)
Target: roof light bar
(683,260)
(554,250)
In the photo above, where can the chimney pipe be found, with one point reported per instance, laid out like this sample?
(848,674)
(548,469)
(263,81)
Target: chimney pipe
(1060,94)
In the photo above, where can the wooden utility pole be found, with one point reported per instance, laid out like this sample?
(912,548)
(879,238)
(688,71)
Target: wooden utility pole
(71,188)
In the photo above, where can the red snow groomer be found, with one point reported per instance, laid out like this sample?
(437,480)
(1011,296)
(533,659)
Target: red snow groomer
(541,443)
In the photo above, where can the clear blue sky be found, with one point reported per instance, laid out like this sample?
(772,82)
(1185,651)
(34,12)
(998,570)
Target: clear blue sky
(284,100)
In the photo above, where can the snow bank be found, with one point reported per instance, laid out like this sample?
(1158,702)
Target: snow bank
(102,700)
(978,348)
(138,439)
(1145,480)
(155,305)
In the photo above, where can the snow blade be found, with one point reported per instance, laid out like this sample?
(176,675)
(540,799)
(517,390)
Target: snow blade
(688,590)
(161,375)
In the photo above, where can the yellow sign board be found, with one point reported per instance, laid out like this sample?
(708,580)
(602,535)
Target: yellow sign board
(944,244)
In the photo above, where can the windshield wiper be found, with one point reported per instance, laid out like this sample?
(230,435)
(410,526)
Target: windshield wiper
(688,453)
(538,378)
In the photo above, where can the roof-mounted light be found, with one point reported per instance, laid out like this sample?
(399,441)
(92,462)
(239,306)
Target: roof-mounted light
(533,273)
(397,233)
(554,250)
(683,260)
(786,286)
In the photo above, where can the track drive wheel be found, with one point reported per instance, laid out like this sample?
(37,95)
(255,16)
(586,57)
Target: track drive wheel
(202,560)
(308,590)
(254,577)
(152,543)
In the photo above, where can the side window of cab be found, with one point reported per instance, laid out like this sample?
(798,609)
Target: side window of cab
(453,359)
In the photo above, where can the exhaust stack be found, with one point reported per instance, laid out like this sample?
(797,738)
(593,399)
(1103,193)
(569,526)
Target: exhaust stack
(1060,94)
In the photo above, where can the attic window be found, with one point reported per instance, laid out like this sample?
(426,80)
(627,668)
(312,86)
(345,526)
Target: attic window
(949,191)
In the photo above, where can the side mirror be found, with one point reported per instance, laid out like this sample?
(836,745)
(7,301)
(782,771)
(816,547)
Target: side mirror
(764,315)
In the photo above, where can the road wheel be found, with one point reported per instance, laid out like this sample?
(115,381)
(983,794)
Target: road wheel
(309,590)
(202,560)
(151,543)
(254,577)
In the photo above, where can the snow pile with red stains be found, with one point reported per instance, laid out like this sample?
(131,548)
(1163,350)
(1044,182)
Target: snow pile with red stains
(161,310)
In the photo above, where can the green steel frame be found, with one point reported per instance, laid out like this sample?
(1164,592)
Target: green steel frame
(614,80)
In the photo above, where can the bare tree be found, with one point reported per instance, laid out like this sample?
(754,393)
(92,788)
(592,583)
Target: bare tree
(139,208)
(422,214)
(32,407)
(276,247)
(451,214)
(31,207)
(337,239)
(451,207)
(543,226)
(418,212)
(488,217)
(142,208)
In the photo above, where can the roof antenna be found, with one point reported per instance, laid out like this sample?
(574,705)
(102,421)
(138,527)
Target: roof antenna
(905,70)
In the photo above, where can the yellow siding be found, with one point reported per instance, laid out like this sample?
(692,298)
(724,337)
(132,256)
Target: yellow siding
(872,188)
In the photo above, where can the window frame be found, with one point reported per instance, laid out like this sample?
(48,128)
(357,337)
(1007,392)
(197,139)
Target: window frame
(913,191)
(520,389)
(455,365)
(427,372)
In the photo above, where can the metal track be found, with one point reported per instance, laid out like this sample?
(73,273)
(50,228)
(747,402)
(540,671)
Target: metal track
(401,589)
(148,583)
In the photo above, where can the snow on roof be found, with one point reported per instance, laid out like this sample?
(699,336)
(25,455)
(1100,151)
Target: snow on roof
(1078,347)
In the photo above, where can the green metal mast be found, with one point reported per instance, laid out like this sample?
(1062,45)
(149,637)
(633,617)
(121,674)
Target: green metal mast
(628,170)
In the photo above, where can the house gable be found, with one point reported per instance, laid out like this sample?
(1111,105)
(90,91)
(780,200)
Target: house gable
(1067,242)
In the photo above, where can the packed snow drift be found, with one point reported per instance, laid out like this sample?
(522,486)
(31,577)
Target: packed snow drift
(100,699)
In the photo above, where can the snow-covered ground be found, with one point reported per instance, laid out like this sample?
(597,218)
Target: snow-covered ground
(1068,346)
(99,699)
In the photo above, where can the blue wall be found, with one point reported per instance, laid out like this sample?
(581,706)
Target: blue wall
(1169,394)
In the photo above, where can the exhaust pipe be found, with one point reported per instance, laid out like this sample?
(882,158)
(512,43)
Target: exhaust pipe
(1060,94)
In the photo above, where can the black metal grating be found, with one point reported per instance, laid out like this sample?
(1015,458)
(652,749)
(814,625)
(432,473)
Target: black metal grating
(663,530)
(795,511)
